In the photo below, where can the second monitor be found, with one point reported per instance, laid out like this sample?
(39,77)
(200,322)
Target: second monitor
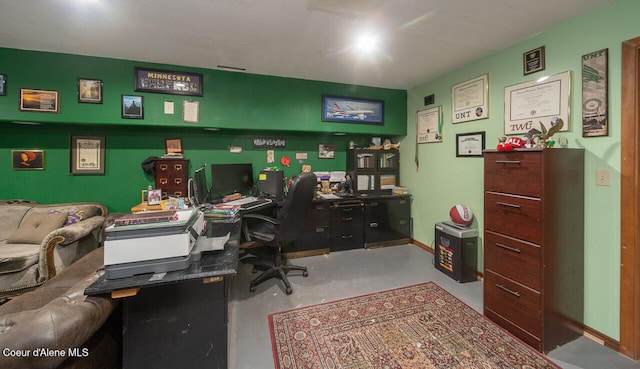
(231,178)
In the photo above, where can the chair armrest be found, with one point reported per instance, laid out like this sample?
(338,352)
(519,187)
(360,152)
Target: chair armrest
(64,236)
(246,218)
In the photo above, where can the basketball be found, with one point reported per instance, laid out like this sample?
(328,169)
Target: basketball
(460,214)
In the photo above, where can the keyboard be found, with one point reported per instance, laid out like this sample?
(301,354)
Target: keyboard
(249,202)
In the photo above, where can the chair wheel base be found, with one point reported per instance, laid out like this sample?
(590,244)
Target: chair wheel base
(305,274)
(289,290)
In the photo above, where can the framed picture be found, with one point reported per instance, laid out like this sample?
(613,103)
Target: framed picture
(39,100)
(326,151)
(352,110)
(154,196)
(469,144)
(536,104)
(86,155)
(595,100)
(429,125)
(3,85)
(173,146)
(533,61)
(470,100)
(168,82)
(132,107)
(27,159)
(90,91)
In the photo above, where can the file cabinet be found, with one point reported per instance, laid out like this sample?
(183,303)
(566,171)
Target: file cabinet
(171,176)
(534,244)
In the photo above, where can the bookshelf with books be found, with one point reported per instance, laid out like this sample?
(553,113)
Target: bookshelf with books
(373,171)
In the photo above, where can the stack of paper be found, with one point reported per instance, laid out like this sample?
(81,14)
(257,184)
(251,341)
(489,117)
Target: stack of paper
(222,212)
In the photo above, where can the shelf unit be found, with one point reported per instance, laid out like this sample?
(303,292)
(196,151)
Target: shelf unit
(373,171)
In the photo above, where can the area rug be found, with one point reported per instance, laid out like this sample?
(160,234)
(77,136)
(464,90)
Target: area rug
(414,327)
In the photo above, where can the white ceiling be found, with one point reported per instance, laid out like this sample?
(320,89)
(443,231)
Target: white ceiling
(308,39)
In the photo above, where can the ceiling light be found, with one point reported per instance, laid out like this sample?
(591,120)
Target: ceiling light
(366,44)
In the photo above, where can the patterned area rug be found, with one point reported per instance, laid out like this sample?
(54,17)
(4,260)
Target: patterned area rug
(416,327)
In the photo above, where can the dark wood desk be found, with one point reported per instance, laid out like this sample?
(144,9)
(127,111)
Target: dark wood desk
(179,319)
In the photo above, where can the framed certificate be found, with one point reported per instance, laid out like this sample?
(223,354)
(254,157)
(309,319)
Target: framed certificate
(470,100)
(469,144)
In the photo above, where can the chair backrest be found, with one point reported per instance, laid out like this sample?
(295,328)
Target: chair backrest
(293,215)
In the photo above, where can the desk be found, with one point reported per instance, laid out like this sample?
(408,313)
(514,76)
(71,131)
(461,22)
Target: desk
(180,319)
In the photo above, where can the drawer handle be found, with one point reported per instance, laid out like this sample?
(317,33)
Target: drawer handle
(319,207)
(347,209)
(515,206)
(348,218)
(373,225)
(372,204)
(346,236)
(319,230)
(516,294)
(508,248)
(508,161)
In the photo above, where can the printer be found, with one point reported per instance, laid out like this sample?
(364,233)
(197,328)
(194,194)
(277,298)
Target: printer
(154,247)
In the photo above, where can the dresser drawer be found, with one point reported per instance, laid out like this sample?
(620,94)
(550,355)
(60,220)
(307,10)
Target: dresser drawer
(514,302)
(513,172)
(513,259)
(514,216)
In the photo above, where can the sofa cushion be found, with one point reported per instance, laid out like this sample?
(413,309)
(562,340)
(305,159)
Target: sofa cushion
(74,216)
(17,257)
(10,217)
(36,227)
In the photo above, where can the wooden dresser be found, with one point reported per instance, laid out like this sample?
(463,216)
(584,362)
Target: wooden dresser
(171,176)
(533,244)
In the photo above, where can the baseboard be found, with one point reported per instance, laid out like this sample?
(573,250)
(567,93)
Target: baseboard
(422,245)
(600,338)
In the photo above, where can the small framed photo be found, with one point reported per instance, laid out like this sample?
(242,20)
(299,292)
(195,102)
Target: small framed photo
(154,196)
(27,159)
(3,85)
(469,144)
(90,91)
(132,107)
(86,155)
(533,61)
(326,151)
(173,146)
(39,100)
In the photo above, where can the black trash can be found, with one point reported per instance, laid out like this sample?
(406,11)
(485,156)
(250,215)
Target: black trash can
(456,251)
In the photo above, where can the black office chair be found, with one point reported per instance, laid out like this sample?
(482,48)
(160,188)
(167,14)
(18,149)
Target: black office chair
(280,231)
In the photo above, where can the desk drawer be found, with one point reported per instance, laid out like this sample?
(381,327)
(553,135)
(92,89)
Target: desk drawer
(514,216)
(514,302)
(513,259)
(513,172)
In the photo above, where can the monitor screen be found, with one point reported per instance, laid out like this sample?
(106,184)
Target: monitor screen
(230,178)
(200,188)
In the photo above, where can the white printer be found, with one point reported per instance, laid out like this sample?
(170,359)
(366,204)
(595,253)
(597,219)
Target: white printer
(152,247)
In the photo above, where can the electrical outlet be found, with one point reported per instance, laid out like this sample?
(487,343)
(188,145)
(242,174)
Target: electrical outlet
(603,177)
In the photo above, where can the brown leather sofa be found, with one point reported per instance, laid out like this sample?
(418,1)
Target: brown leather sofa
(58,326)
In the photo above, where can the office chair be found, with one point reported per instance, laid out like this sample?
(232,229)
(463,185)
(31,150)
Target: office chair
(280,231)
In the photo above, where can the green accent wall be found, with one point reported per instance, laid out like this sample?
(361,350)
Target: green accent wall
(443,180)
(241,105)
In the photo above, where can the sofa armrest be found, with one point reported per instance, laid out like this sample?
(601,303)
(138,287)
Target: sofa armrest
(65,236)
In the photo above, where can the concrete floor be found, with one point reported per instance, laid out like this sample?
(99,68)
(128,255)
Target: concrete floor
(356,272)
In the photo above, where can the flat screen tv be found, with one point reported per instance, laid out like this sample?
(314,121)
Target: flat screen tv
(231,178)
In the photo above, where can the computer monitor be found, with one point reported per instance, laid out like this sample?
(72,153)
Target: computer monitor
(198,186)
(230,178)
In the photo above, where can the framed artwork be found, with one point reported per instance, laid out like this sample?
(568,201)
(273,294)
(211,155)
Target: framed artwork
(429,125)
(326,151)
(536,104)
(132,107)
(595,100)
(90,91)
(469,144)
(87,155)
(39,100)
(352,110)
(154,197)
(168,82)
(470,100)
(533,61)
(3,85)
(173,146)
(27,159)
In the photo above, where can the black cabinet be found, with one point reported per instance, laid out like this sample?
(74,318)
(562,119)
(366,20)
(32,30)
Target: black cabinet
(373,171)
(346,226)
(316,236)
(387,221)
